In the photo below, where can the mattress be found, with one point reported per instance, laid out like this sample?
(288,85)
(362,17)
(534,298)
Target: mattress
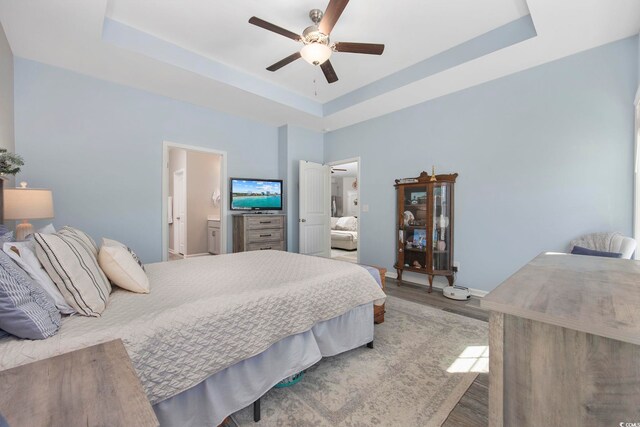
(207,313)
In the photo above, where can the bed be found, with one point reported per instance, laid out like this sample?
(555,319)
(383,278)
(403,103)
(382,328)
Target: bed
(216,333)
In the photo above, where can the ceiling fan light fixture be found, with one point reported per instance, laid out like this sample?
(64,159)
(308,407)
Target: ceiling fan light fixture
(316,53)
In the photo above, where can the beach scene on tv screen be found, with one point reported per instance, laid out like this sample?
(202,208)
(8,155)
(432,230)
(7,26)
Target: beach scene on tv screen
(256,195)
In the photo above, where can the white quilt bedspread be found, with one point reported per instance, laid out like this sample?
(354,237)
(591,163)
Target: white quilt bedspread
(205,314)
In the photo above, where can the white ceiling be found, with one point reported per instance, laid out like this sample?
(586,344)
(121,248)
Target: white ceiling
(220,31)
(351,170)
(68,34)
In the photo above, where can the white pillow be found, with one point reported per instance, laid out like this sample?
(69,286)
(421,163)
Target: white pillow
(347,223)
(122,267)
(47,229)
(334,222)
(24,255)
(69,260)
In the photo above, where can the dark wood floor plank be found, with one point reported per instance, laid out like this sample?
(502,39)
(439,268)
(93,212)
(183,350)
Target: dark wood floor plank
(419,294)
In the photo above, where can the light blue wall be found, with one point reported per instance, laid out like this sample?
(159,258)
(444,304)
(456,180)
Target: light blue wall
(544,156)
(638,91)
(98,146)
(6,94)
(296,144)
(499,38)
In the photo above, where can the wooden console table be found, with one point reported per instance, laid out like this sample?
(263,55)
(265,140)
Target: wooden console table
(95,386)
(564,343)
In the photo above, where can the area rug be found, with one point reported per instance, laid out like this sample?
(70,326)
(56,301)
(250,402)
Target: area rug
(423,362)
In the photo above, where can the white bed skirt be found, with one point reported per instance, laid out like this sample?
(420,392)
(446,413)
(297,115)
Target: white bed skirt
(210,402)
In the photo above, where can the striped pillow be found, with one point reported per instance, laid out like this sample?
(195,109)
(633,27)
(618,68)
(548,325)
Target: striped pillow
(26,310)
(81,237)
(69,259)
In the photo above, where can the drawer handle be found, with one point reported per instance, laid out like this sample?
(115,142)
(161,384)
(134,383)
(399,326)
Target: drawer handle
(264,249)
(265,222)
(265,235)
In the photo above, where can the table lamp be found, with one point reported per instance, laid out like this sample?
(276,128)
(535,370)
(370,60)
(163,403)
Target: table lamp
(27,203)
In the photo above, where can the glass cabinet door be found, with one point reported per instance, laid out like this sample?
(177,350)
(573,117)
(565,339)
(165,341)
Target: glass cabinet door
(415,227)
(441,231)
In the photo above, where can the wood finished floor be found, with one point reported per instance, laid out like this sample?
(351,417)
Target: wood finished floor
(473,408)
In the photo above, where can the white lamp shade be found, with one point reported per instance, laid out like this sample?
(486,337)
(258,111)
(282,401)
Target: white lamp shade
(315,53)
(28,203)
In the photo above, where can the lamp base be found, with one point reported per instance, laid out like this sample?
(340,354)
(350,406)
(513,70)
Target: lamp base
(23,230)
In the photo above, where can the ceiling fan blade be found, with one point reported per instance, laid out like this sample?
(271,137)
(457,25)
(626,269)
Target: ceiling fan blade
(289,59)
(329,72)
(331,15)
(272,27)
(368,48)
(338,169)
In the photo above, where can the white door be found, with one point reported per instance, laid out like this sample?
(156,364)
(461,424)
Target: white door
(315,213)
(180,211)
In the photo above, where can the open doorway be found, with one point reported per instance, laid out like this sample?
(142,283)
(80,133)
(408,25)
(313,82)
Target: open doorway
(345,210)
(193,209)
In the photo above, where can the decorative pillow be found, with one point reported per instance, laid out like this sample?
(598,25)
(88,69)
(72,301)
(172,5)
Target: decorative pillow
(579,250)
(24,254)
(47,229)
(347,223)
(334,222)
(122,267)
(69,260)
(6,235)
(80,237)
(26,311)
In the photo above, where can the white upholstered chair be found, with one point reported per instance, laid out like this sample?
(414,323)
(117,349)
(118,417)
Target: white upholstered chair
(607,242)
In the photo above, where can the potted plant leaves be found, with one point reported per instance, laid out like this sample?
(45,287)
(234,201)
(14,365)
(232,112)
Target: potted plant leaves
(10,164)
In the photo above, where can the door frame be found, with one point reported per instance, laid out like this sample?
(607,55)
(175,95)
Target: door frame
(166,145)
(176,251)
(359,190)
(636,173)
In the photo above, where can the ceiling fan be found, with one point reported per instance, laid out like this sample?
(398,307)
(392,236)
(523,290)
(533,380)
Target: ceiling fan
(317,47)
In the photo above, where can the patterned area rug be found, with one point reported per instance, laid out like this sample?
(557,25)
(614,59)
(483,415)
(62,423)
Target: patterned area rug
(423,362)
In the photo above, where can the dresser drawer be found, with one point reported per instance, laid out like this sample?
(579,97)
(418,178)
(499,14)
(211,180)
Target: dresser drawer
(279,246)
(255,223)
(265,235)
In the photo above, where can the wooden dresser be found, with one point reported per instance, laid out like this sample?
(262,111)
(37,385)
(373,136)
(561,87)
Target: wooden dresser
(256,232)
(564,343)
(94,386)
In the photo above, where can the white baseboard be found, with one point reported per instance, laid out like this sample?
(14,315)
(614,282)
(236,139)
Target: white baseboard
(475,292)
(173,252)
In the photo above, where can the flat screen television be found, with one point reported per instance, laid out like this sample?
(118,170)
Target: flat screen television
(255,194)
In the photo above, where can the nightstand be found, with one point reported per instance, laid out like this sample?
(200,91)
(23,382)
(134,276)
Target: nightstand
(94,386)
